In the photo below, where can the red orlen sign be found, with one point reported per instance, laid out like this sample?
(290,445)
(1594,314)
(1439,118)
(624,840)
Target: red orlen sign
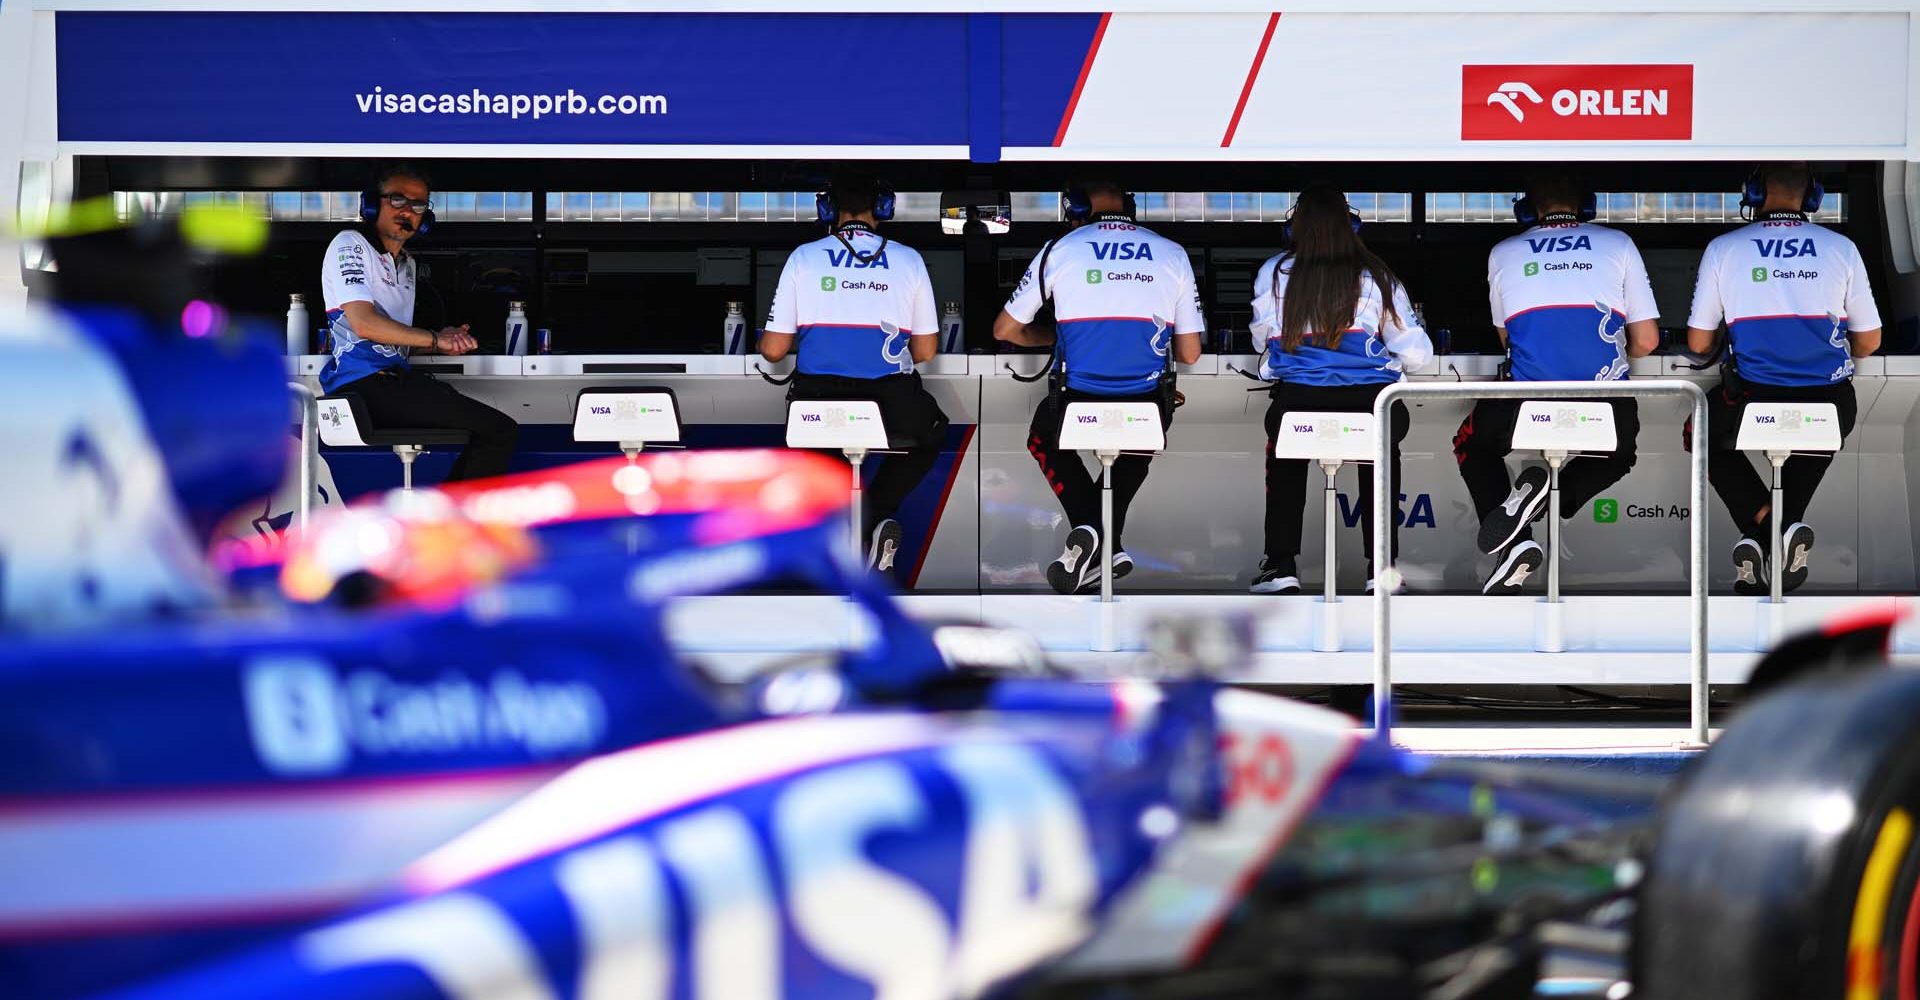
(1576,102)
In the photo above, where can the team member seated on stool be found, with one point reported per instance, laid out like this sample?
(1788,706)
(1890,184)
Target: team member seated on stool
(1337,329)
(1798,310)
(367,281)
(1123,298)
(860,309)
(1571,302)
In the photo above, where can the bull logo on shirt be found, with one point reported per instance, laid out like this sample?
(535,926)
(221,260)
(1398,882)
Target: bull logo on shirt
(1610,334)
(901,353)
(1162,337)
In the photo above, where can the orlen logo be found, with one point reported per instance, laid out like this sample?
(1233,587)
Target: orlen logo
(1576,102)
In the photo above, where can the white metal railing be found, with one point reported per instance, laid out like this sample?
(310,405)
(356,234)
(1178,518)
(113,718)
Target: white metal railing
(309,451)
(1383,505)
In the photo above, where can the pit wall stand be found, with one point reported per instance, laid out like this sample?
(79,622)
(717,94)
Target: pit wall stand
(852,427)
(1330,439)
(1109,430)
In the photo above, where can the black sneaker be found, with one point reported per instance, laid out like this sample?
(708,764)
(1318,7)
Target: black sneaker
(1522,507)
(1520,562)
(1276,577)
(1122,564)
(1069,572)
(1799,548)
(883,546)
(1750,568)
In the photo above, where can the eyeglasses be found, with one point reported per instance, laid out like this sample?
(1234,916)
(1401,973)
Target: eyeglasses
(398,200)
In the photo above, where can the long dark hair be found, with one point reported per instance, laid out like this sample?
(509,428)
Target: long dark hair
(1324,268)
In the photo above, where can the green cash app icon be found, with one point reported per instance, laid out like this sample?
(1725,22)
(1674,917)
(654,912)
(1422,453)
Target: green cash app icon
(1606,511)
(1532,268)
(1093,276)
(1759,274)
(828,284)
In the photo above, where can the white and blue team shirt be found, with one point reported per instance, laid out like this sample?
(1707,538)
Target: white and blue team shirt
(355,270)
(853,300)
(1120,294)
(1366,354)
(1789,291)
(1565,292)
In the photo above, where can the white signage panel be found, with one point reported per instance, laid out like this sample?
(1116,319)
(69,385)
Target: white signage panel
(1789,427)
(1094,425)
(1325,437)
(1565,425)
(843,424)
(641,415)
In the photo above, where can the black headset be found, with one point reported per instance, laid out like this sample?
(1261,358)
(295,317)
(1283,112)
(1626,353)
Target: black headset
(1753,193)
(883,203)
(370,209)
(1526,214)
(1077,205)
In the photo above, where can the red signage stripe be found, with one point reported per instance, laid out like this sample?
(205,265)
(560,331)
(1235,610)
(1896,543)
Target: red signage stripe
(1081,84)
(1253,73)
(1558,103)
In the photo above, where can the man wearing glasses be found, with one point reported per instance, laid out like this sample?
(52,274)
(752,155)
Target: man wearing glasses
(367,281)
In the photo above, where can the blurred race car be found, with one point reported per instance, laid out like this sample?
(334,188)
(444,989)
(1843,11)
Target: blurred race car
(461,759)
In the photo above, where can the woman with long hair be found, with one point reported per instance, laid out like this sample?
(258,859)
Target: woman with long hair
(1337,328)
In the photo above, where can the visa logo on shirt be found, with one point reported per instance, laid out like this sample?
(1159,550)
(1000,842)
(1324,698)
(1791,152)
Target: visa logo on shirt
(1786,248)
(847,258)
(1551,244)
(1121,251)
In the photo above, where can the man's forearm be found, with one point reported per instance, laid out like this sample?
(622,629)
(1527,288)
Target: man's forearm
(380,329)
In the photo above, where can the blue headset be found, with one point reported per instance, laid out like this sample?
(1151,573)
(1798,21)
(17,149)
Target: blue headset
(1753,193)
(1077,205)
(883,199)
(1527,215)
(370,212)
(1286,227)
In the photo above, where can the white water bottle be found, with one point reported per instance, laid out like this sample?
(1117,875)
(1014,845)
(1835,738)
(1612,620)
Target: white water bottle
(517,329)
(953,339)
(733,330)
(297,326)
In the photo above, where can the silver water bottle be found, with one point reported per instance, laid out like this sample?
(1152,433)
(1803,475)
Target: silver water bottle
(297,326)
(517,329)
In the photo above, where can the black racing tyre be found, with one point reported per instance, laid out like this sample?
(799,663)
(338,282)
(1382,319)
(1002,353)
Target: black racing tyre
(1785,865)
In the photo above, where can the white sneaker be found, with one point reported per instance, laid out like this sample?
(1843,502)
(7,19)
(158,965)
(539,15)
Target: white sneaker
(1798,544)
(1067,574)
(884,546)
(1750,568)
(1520,562)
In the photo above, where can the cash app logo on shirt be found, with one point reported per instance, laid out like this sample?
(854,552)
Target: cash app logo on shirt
(1532,268)
(1759,274)
(1093,276)
(828,284)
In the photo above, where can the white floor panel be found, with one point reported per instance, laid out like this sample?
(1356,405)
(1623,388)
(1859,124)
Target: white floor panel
(1437,639)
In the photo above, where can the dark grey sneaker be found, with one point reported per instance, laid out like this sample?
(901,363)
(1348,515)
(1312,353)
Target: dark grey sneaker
(1068,573)
(1276,577)
(1519,564)
(1799,548)
(1521,508)
(1122,564)
(1750,569)
(883,546)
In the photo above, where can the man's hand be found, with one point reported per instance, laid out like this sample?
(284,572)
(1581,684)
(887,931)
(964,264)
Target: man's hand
(454,340)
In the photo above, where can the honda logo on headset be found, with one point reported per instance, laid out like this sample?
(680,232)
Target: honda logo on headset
(1576,102)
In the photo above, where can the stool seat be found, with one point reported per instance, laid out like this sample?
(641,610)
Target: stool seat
(345,423)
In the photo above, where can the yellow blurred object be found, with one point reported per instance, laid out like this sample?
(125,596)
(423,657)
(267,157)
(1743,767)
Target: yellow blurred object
(227,229)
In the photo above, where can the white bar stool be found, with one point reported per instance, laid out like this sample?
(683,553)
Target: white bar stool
(852,427)
(1560,429)
(344,423)
(1109,429)
(1331,439)
(1780,431)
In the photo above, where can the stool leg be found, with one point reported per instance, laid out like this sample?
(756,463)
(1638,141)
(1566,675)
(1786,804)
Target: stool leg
(1553,529)
(1329,518)
(1776,543)
(854,461)
(407,453)
(1106,528)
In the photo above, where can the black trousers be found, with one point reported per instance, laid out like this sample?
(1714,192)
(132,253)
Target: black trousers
(415,399)
(1486,437)
(916,426)
(1287,478)
(1078,490)
(1732,472)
